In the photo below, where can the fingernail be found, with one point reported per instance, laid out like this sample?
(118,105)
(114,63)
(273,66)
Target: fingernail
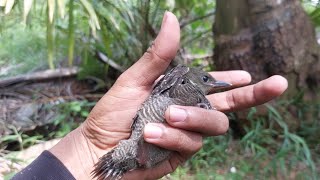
(177,114)
(153,131)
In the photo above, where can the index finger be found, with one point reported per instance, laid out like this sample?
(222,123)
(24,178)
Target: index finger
(249,96)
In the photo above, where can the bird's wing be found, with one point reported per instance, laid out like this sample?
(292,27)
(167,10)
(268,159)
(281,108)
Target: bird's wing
(187,94)
(169,79)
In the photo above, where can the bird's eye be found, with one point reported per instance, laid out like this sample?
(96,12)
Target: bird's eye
(205,78)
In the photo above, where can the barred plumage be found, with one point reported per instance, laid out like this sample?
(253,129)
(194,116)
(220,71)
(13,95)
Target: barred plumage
(180,86)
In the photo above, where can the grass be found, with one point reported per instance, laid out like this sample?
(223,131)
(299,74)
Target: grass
(24,50)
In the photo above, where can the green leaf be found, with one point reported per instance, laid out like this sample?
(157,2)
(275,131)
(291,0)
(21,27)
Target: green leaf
(51,9)
(84,113)
(27,4)
(8,7)
(75,106)
(93,16)
(62,7)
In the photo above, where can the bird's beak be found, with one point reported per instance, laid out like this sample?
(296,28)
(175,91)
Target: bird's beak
(220,85)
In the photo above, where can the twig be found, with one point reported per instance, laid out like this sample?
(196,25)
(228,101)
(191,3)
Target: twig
(185,23)
(109,61)
(196,37)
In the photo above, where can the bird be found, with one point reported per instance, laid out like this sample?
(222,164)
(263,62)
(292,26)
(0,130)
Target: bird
(182,85)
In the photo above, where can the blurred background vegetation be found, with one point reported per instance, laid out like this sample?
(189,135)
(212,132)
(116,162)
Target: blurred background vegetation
(121,30)
(102,39)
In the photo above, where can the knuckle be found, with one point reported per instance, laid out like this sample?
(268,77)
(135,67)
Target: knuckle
(231,100)
(153,51)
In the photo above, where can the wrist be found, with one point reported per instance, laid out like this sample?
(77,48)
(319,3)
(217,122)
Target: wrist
(75,153)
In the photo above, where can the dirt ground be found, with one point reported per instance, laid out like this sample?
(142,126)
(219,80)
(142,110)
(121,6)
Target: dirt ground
(16,161)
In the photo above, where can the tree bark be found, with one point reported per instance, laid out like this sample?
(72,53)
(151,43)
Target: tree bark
(267,37)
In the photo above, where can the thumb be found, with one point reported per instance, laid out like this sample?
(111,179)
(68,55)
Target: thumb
(157,58)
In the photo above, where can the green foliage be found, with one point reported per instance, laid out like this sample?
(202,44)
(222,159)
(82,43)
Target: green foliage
(71,34)
(70,116)
(122,30)
(23,140)
(312,7)
(92,68)
(23,50)
(196,36)
(13,8)
(50,40)
(127,28)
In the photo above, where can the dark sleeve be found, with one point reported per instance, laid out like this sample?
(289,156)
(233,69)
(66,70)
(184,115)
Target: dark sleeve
(46,166)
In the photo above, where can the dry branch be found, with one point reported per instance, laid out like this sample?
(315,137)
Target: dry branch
(187,22)
(40,76)
(105,59)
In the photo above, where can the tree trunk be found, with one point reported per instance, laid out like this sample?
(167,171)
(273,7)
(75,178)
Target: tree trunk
(266,38)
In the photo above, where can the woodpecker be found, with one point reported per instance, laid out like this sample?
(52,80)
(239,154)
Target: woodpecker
(182,85)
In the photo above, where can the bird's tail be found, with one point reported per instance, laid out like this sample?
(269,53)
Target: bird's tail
(108,168)
(115,163)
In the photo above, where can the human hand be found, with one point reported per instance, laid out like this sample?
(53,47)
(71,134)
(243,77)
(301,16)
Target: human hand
(111,118)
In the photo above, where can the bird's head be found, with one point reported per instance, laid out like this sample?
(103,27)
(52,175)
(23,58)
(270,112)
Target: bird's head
(205,81)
